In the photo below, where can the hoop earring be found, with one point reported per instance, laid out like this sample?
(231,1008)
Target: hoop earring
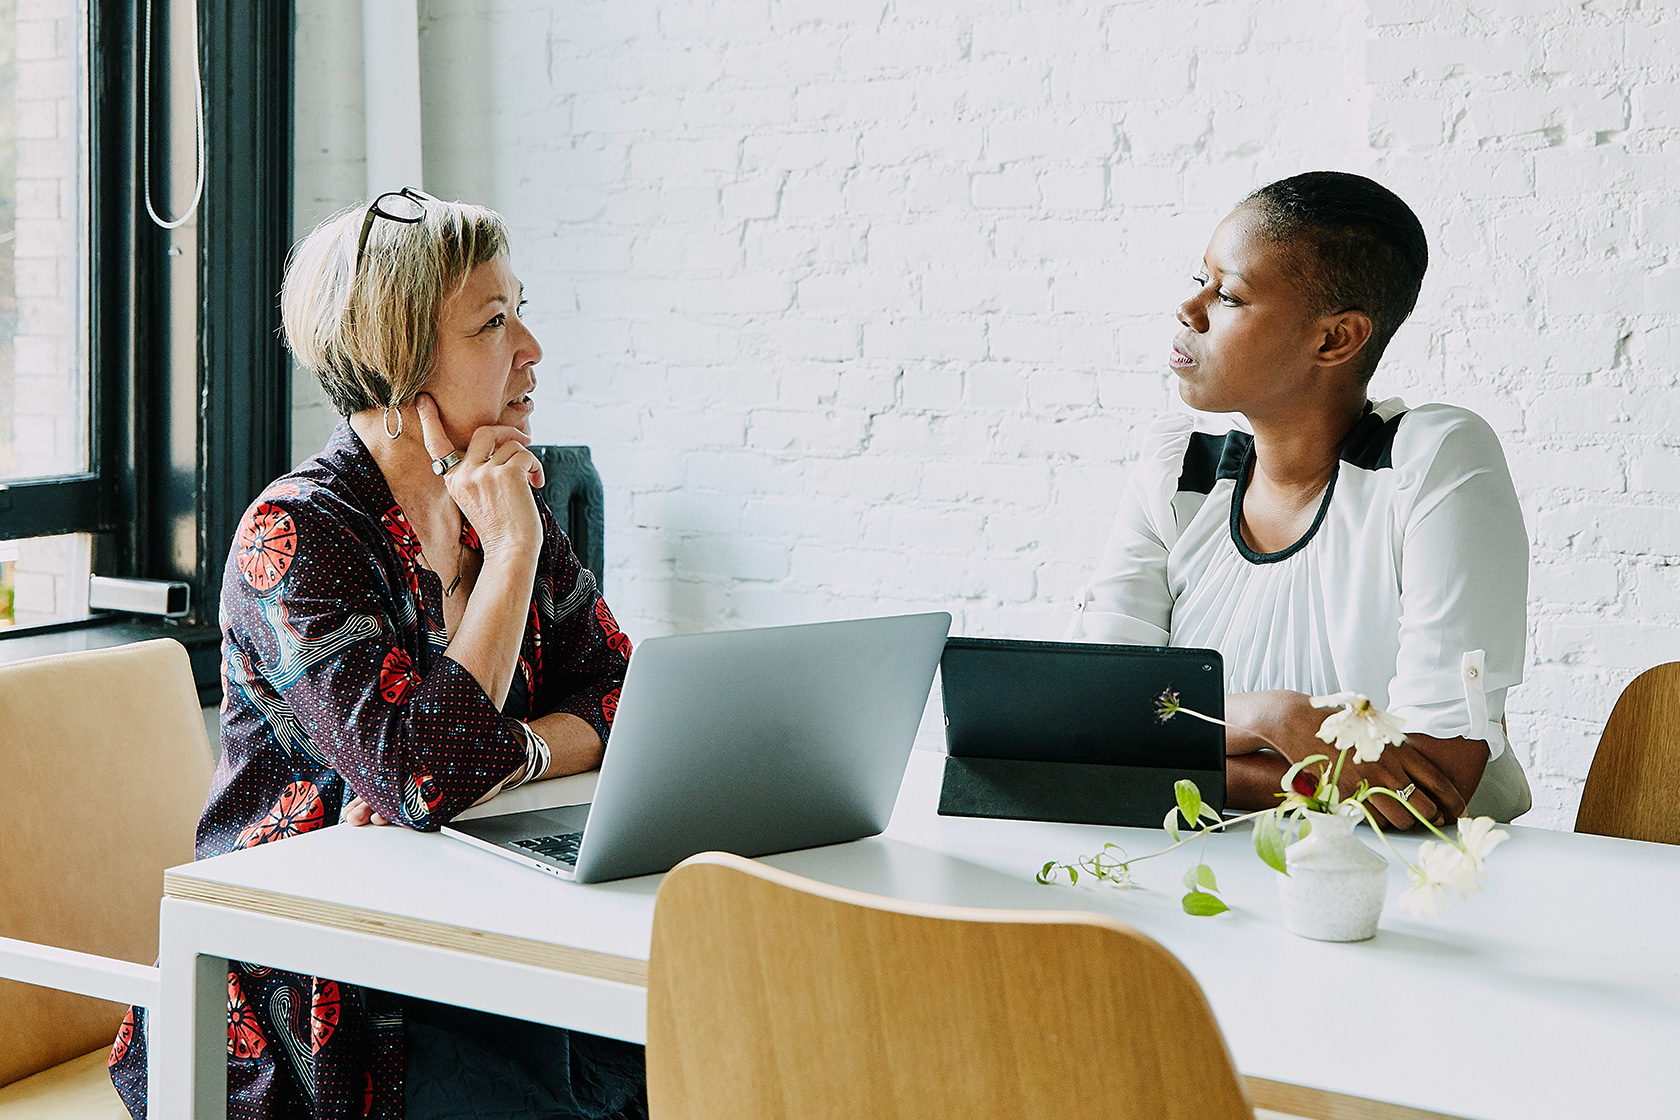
(389,434)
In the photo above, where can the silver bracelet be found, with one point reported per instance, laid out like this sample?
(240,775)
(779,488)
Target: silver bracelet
(522,775)
(537,757)
(543,758)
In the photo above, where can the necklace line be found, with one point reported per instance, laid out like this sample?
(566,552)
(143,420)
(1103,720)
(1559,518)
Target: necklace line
(460,564)
(460,557)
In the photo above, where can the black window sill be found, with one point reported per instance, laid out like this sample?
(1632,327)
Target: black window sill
(204,644)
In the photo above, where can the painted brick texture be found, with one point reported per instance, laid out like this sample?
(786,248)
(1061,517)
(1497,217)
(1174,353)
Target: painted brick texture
(862,305)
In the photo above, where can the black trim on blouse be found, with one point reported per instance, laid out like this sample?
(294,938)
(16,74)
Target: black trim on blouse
(1370,446)
(1248,553)
(1208,459)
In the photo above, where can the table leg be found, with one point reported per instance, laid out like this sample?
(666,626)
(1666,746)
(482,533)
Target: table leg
(187,1042)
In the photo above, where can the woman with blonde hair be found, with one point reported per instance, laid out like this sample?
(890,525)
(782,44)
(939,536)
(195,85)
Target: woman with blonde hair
(406,632)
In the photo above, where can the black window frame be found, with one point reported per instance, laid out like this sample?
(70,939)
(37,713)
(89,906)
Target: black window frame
(131,498)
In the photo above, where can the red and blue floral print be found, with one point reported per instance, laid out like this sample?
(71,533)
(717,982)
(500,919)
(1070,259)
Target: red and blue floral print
(339,685)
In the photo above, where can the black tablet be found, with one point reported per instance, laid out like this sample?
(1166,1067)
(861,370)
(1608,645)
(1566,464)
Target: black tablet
(1068,731)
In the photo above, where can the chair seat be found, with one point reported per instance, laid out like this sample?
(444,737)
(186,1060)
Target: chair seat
(79,1089)
(106,766)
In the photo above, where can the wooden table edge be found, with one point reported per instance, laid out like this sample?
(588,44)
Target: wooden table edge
(438,935)
(1281,1099)
(1286,1100)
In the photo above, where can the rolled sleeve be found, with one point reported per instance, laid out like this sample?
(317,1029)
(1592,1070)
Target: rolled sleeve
(1464,590)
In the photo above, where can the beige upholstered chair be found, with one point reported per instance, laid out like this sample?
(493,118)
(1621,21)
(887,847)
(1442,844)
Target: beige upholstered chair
(1636,771)
(773,996)
(105,766)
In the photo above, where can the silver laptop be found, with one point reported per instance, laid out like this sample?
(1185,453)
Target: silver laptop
(746,741)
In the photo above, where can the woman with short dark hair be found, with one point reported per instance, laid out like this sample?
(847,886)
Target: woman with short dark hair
(1325,542)
(405,633)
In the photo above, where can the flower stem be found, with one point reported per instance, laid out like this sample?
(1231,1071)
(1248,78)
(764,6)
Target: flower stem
(1376,828)
(1336,778)
(1200,716)
(1204,831)
(1408,804)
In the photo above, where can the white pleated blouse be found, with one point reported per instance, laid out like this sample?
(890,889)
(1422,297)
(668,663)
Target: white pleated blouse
(1411,587)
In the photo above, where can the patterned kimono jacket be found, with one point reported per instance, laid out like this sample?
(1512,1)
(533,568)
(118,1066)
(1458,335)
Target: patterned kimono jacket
(337,685)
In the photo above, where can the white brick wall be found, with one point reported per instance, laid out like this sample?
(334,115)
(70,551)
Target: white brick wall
(862,304)
(329,160)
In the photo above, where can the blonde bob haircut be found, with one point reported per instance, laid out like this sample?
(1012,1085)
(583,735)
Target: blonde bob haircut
(370,336)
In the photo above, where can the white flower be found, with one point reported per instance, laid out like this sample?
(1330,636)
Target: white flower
(1424,897)
(1359,724)
(1440,868)
(1451,866)
(1479,837)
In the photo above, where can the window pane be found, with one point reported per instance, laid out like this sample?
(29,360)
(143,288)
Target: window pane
(43,367)
(44,579)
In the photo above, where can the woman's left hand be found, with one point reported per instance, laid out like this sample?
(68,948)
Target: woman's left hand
(359,813)
(1433,794)
(1440,770)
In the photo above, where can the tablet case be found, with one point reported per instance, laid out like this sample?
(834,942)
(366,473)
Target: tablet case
(1068,732)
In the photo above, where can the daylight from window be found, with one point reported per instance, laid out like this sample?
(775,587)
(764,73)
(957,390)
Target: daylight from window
(43,367)
(44,580)
(44,407)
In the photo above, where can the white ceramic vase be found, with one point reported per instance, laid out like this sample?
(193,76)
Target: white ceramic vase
(1335,886)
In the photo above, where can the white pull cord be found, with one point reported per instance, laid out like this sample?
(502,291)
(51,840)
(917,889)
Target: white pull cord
(146,114)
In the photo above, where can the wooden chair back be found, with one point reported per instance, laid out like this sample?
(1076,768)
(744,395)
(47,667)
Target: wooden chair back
(105,764)
(772,996)
(1636,771)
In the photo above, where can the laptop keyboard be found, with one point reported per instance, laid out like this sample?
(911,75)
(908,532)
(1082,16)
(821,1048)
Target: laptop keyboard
(562,849)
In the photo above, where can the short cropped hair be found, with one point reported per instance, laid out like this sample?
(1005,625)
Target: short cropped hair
(370,334)
(1355,246)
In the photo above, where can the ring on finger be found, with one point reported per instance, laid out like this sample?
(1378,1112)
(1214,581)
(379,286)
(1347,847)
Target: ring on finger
(443,464)
(1405,794)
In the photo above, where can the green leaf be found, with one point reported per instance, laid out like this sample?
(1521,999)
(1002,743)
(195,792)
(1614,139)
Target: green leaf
(1306,829)
(1205,879)
(1189,800)
(1171,823)
(1202,905)
(1045,876)
(1073,873)
(1269,842)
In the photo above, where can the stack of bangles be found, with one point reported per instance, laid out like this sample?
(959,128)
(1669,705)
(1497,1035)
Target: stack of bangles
(537,757)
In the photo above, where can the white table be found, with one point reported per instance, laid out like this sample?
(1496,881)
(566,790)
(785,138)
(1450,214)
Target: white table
(1553,993)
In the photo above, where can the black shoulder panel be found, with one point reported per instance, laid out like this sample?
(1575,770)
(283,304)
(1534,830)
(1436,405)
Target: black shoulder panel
(1211,458)
(1371,443)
